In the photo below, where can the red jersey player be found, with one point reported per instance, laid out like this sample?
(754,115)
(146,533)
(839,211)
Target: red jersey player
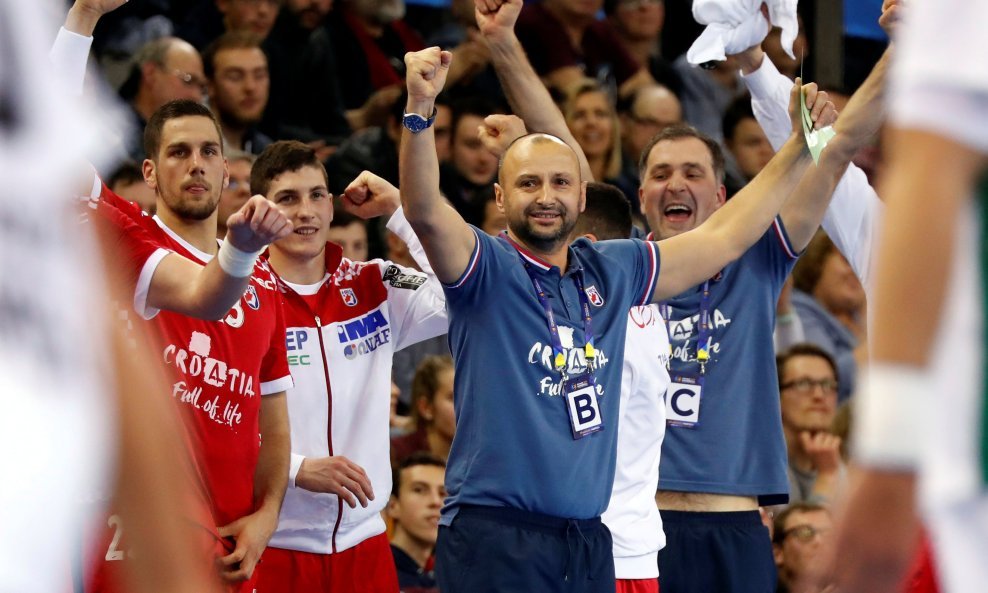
(229,376)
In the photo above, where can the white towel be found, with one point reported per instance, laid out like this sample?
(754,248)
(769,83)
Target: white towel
(735,25)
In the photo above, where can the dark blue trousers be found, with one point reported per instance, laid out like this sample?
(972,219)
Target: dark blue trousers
(503,550)
(716,553)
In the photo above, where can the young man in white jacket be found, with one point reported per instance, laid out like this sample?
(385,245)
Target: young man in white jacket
(344,320)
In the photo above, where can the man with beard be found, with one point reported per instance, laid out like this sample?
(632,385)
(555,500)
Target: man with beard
(237,71)
(229,376)
(553,410)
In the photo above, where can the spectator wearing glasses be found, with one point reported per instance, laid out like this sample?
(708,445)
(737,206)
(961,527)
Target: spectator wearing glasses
(799,534)
(808,383)
(164,70)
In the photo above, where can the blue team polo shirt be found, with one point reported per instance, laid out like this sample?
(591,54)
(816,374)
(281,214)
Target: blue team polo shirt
(738,446)
(513,445)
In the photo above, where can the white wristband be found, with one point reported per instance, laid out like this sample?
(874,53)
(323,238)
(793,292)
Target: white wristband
(888,412)
(235,262)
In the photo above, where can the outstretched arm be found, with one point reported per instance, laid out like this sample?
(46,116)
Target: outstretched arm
(528,97)
(694,256)
(856,127)
(185,287)
(448,240)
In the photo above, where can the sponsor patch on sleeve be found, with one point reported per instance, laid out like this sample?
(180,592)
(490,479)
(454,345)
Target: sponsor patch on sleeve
(395,277)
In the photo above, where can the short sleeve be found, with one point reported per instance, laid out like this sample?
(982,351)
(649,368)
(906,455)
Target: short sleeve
(638,260)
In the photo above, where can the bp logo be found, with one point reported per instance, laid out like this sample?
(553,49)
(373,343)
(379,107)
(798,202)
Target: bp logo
(251,298)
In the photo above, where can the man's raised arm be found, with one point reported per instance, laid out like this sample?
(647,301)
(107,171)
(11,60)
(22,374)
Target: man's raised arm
(694,256)
(526,94)
(448,240)
(856,127)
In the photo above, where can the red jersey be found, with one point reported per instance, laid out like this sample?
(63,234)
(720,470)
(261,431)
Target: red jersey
(221,369)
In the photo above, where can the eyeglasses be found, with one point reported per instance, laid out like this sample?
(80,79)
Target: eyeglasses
(804,533)
(189,80)
(806,385)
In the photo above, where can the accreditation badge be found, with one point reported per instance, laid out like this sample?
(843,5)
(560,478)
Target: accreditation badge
(580,394)
(683,401)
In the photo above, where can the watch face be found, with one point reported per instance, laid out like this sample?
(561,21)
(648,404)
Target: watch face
(415,122)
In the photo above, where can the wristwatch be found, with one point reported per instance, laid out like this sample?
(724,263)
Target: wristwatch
(415,123)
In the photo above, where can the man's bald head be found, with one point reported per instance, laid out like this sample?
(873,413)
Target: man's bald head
(524,146)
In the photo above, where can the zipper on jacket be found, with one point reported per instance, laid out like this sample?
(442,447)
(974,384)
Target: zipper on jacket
(329,424)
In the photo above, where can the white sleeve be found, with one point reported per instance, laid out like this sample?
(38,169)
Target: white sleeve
(294,465)
(416,302)
(855,211)
(400,226)
(69,55)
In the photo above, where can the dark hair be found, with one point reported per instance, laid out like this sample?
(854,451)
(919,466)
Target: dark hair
(280,157)
(478,106)
(607,215)
(678,132)
(738,111)
(610,6)
(228,40)
(127,173)
(804,349)
(809,268)
(174,110)
(342,218)
(779,523)
(417,458)
(426,382)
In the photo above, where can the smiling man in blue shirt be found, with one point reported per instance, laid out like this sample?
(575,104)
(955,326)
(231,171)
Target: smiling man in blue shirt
(537,329)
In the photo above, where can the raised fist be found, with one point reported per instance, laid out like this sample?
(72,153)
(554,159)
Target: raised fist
(426,72)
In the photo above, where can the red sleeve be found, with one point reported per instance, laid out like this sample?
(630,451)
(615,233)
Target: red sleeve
(274,375)
(129,247)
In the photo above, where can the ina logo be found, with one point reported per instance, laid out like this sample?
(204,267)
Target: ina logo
(595,299)
(251,298)
(349,298)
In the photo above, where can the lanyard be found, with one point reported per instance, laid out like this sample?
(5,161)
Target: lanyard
(558,356)
(704,337)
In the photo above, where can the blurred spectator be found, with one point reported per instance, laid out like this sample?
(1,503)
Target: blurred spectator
(443,128)
(639,27)
(128,182)
(432,411)
(467,179)
(474,75)
(746,143)
(830,302)
(417,494)
(237,71)
(808,382)
(494,220)
(368,39)
(647,112)
(565,42)
(374,149)
(788,328)
(799,536)
(249,16)
(350,233)
(300,108)
(237,191)
(592,119)
(206,20)
(707,94)
(164,70)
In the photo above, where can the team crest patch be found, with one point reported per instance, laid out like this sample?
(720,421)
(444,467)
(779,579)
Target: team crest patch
(595,299)
(349,297)
(251,298)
